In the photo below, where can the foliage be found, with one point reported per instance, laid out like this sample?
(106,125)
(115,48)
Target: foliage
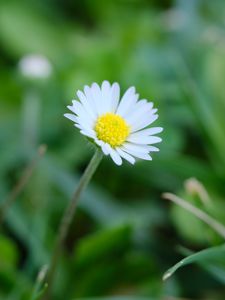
(124,236)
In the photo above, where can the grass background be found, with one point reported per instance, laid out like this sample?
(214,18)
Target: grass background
(124,236)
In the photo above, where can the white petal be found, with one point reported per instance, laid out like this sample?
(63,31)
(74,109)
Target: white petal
(154,111)
(81,118)
(84,120)
(98,142)
(71,117)
(135,106)
(88,133)
(149,131)
(106,96)
(137,154)
(129,98)
(140,104)
(153,149)
(97,96)
(87,104)
(138,113)
(125,155)
(136,148)
(140,139)
(80,111)
(142,156)
(81,108)
(146,121)
(103,146)
(88,94)
(106,148)
(105,88)
(115,96)
(115,157)
(83,126)
(79,126)
(76,108)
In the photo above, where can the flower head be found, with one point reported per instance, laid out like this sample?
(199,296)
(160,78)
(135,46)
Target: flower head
(35,66)
(119,127)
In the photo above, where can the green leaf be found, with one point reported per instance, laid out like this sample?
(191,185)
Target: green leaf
(95,247)
(9,254)
(207,255)
(216,271)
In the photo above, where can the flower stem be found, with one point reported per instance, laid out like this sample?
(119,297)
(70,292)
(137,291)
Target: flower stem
(21,183)
(68,217)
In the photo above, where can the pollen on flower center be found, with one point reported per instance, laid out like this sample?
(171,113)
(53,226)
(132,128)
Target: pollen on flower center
(112,129)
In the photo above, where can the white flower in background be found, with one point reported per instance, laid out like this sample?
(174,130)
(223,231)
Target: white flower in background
(35,66)
(119,127)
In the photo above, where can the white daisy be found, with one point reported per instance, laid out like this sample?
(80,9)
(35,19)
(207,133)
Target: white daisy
(35,66)
(119,127)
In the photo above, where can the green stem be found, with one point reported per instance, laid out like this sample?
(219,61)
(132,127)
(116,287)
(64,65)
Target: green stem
(218,227)
(68,217)
(21,184)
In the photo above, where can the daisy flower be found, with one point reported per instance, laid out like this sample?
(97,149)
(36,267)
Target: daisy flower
(35,66)
(119,127)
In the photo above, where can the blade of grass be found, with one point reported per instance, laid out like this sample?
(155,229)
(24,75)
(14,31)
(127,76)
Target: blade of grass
(211,253)
(21,183)
(218,227)
(213,129)
(216,271)
(40,287)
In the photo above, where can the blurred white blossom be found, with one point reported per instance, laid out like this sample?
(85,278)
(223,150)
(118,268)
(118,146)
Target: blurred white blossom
(35,66)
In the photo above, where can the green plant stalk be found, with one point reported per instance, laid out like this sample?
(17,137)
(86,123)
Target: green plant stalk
(21,184)
(68,217)
(40,287)
(215,225)
(212,127)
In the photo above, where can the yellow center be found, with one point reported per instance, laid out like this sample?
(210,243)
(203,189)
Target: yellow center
(112,129)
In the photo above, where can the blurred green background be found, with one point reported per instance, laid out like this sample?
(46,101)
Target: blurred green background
(124,236)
